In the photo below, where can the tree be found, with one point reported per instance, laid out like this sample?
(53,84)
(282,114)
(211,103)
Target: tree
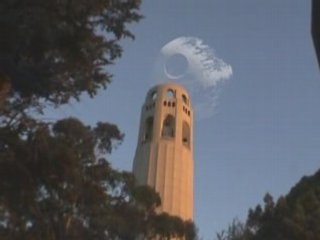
(50,180)
(55,180)
(57,50)
(53,185)
(236,231)
(295,216)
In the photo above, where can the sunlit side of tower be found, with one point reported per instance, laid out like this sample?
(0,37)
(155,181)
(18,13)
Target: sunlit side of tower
(164,154)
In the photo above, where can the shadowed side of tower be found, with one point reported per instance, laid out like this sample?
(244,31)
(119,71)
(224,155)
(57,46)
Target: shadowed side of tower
(164,154)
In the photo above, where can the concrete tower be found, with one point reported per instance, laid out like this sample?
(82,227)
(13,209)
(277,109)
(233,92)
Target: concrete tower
(164,154)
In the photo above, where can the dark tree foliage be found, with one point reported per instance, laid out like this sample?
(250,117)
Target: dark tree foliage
(55,182)
(235,231)
(168,227)
(51,186)
(57,49)
(295,216)
(54,186)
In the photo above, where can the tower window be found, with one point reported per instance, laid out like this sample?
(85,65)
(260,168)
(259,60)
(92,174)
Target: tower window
(148,129)
(185,99)
(168,126)
(170,93)
(165,103)
(186,134)
(153,95)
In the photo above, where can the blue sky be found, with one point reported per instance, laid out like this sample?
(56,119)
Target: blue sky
(265,132)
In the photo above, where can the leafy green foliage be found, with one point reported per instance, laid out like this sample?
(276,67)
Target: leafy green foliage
(56,50)
(51,183)
(235,231)
(296,216)
(293,217)
(55,182)
(53,186)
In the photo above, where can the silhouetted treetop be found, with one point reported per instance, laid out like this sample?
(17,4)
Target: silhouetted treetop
(295,216)
(58,49)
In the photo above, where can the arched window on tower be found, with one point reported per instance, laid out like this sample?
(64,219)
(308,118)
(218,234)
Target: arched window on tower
(186,134)
(148,129)
(185,99)
(170,93)
(153,95)
(168,126)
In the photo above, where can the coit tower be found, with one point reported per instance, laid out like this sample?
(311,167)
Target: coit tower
(164,154)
